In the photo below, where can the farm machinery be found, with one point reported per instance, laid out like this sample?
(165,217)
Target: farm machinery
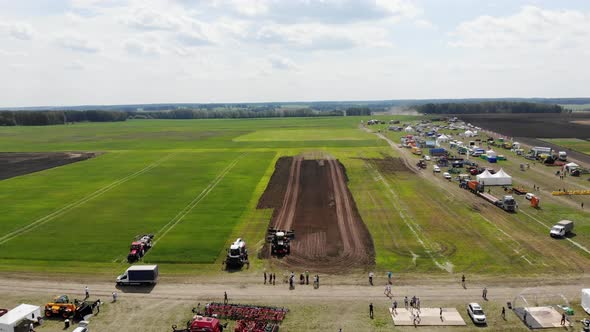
(237,255)
(139,247)
(62,307)
(249,318)
(280,241)
(506,203)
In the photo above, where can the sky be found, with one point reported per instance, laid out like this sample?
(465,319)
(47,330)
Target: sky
(98,52)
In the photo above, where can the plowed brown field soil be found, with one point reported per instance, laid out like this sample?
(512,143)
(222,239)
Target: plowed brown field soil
(21,163)
(311,197)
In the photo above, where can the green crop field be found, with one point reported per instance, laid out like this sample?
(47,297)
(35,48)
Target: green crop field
(576,144)
(196,183)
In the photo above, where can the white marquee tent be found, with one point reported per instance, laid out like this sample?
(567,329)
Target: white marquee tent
(501,178)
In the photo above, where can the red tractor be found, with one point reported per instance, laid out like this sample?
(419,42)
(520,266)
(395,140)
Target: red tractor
(140,247)
(202,324)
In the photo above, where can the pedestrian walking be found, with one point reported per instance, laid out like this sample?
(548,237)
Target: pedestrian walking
(441,313)
(563,318)
(371,275)
(301,279)
(115,295)
(225,298)
(265,277)
(484,293)
(371,310)
(389,276)
(463,281)
(86,292)
(98,303)
(274,278)
(395,307)
(307,277)
(503,313)
(406,302)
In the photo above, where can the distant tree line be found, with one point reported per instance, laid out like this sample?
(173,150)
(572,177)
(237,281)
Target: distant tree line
(487,107)
(44,118)
(246,113)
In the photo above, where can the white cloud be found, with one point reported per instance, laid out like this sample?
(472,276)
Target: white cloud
(151,19)
(282,63)
(530,27)
(18,30)
(78,44)
(315,36)
(326,11)
(143,48)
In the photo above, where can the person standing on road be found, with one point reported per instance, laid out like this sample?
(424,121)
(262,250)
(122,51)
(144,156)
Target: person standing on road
(98,303)
(371,310)
(371,274)
(265,277)
(563,318)
(395,307)
(463,281)
(406,302)
(274,278)
(86,292)
(115,297)
(503,313)
(440,313)
(307,277)
(484,293)
(225,300)
(389,276)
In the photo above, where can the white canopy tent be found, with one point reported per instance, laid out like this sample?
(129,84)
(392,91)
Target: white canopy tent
(501,178)
(571,165)
(19,317)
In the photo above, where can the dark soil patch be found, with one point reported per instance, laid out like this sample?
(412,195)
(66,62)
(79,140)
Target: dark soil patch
(330,234)
(20,163)
(552,125)
(389,165)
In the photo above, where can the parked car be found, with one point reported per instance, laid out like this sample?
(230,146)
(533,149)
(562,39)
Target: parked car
(427,158)
(436,169)
(476,313)
(446,175)
(529,196)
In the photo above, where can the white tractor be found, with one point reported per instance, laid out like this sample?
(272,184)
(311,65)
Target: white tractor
(237,255)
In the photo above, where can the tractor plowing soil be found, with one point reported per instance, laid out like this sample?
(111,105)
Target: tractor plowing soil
(310,197)
(280,241)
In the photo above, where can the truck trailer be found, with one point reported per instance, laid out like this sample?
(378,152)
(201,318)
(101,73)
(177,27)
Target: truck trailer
(139,275)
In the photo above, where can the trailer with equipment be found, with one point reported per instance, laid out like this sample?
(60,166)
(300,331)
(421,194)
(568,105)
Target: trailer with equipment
(506,203)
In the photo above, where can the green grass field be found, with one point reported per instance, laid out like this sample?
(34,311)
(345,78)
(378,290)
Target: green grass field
(196,183)
(576,144)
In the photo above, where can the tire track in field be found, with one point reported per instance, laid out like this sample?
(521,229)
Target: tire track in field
(414,227)
(187,209)
(61,211)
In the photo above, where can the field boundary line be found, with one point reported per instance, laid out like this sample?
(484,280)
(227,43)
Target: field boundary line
(43,220)
(195,201)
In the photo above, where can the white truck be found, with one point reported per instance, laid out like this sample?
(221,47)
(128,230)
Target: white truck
(139,275)
(562,228)
(562,156)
